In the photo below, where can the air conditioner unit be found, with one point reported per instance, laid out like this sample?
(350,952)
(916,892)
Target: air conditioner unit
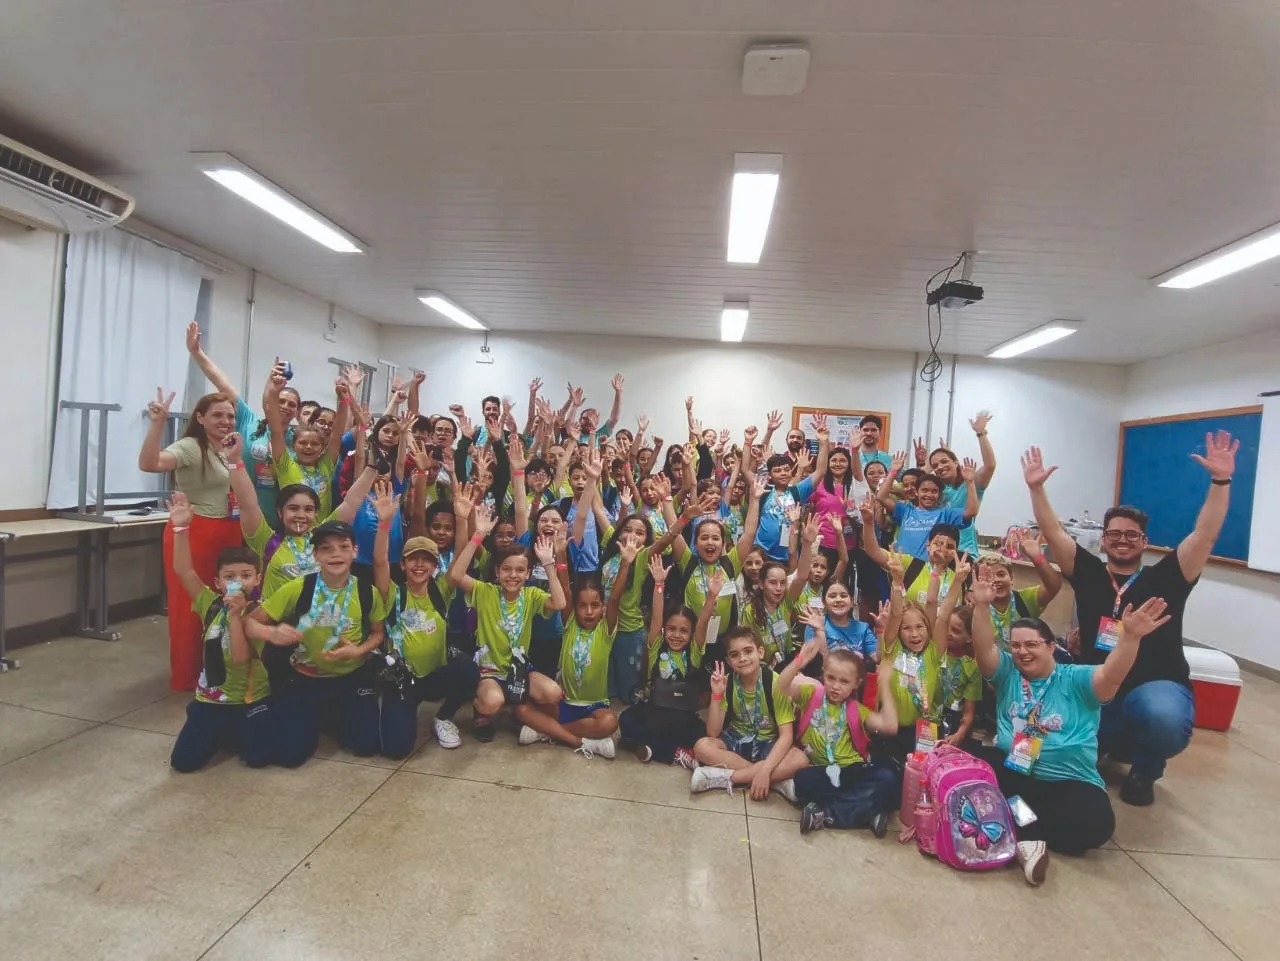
(38,191)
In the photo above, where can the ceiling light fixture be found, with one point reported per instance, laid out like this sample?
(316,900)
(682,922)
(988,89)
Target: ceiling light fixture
(733,320)
(443,305)
(755,184)
(1034,339)
(1242,254)
(247,183)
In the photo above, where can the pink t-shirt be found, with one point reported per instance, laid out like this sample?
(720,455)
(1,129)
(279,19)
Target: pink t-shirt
(826,503)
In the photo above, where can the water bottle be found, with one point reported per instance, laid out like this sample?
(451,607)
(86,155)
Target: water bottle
(926,817)
(911,781)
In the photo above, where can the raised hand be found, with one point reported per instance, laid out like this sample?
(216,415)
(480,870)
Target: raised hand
(1033,470)
(750,434)
(820,426)
(983,590)
(593,464)
(353,374)
(715,583)
(899,462)
(642,424)
(969,469)
(663,485)
(158,409)
(385,500)
(867,509)
(922,452)
(724,438)
(962,572)
(809,533)
(759,487)
(719,680)
(656,569)
(881,618)
(180,512)
(774,420)
(980,421)
(625,499)
(516,454)
(419,376)
(688,403)
(697,427)
(792,514)
(535,385)
(486,520)
(1030,548)
(423,459)
(803,460)
(193,338)
(545,551)
(1220,455)
(657,443)
(812,617)
(616,383)
(628,549)
(894,566)
(464,500)
(1145,619)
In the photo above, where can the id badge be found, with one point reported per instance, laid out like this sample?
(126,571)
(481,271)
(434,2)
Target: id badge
(784,535)
(779,628)
(1023,754)
(1108,634)
(713,628)
(815,604)
(730,589)
(926,736)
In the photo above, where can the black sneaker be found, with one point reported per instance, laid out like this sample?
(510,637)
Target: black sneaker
(879,823)
(813,818)
(1138,791)
(644,753)
(483,731)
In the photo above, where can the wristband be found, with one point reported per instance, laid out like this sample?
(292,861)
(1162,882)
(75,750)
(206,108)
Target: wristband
(562,567)
(182,530)
(477,539)
(384,525)
(1220,481)
(658,588)
(234,465)
(982,433)
(517,473)
(717,697)
(1038,559)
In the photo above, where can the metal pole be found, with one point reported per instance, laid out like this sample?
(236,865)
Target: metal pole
(102,461)
(911,401)
(248,331)
(82,496)
(951,399)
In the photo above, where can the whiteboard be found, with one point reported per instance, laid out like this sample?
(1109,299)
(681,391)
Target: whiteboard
(1264,533)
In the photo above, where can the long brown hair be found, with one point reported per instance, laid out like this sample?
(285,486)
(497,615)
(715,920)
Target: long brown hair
(195,429)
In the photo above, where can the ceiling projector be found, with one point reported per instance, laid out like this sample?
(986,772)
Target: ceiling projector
(953,294)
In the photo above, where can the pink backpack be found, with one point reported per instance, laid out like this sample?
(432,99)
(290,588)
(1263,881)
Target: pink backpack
(852,713)
(975,830)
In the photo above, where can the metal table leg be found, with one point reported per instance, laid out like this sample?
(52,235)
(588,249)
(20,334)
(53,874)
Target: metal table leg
(6,662)
(93,624)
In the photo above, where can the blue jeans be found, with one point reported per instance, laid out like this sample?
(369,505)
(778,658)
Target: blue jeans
(624,665)
(1149,725)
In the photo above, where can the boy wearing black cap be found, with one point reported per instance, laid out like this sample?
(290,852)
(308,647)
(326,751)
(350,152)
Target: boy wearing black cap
(332,619)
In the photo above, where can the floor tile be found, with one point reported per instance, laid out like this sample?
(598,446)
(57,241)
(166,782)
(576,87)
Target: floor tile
(23,731)
(107,853)
(557,767)
(163,716)
(502,872)
(1088,901)
(1211,801)
(1235,899)
(94,680)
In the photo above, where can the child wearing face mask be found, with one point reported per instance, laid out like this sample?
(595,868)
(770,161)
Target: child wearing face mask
(842,787)
(665,725)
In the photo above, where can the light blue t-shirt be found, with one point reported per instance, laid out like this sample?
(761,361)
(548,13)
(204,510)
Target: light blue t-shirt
(914,524)
(856,636)
(956,497)
(1068,718)
(585,556)
(257,456)
(544,628)
(773,516)
(878,456)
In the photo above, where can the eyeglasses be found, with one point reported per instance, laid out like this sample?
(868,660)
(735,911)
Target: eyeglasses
(1130,537)
(1020,648)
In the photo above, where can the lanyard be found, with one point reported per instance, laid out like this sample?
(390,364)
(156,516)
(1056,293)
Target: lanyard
(1031,714)
(830,729)
(301,546)
(512,623)
(1115,611)
(676,663)
(754,716)
(702,574)
(581,651)
(610,573)
(918,683)
(327,608)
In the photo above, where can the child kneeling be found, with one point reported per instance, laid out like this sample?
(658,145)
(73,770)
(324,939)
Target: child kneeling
(841,789)
(750,725)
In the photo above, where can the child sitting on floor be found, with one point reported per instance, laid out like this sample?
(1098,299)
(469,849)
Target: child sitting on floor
(231,706)
(750,737)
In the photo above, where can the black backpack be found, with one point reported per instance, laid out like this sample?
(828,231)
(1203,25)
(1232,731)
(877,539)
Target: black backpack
(680,695)
(364,593)
(215,665)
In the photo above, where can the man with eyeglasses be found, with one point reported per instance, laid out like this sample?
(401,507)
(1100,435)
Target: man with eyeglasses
(1150,719)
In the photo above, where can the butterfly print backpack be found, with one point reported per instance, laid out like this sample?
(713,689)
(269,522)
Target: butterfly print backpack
(975,831)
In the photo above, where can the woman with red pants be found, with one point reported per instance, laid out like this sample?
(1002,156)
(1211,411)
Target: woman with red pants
(200,472)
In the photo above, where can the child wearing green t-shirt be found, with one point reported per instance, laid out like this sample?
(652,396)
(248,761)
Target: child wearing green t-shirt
(313,459)
(231,708)
(750,725)
(961,684)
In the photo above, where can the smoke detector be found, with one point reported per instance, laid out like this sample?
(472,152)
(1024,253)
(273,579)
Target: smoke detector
(775,69)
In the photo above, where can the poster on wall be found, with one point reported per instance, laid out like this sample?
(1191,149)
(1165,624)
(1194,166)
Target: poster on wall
(842,424)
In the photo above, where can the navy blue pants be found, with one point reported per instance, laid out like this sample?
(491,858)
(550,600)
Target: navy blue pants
(244,729)
(637,726)
(865,790)
(306,700)
(453,685)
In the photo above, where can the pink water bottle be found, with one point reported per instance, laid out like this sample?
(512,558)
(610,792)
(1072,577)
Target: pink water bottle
(911,780)
(926,818)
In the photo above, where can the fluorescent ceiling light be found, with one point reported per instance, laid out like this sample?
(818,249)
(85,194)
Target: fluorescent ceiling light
(1244,253)
(1034,339)
(443,305)
(733,320)
(755,184)
(247,183)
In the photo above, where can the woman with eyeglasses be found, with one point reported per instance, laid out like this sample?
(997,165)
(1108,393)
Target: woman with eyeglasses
(1151,718)
(1047,718)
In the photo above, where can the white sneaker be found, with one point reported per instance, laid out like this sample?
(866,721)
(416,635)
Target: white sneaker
(529,736)
(1034,858)
(597,747)
(787,789)
(447,734)
(711,779)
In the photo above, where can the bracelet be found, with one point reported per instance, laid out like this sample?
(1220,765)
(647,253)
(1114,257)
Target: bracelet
(477,539)
(982,434)
(517,473)
(658,588)
(1038,559)
(1220,481)
(384,525)
(562,567)
(182,530)
(234,465)
(717,697)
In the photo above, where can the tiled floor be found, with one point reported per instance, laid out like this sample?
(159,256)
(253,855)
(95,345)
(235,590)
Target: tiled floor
(505,852)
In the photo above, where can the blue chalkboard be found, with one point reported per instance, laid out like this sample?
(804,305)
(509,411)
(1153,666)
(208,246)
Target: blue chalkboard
(1158,475)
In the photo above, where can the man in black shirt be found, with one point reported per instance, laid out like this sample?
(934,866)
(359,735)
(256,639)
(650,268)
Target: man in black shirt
(1150,719)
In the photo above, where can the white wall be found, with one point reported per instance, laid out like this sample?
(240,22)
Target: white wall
(1068,409)
(1232,609)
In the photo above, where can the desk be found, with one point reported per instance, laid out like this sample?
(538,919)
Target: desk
(92,553)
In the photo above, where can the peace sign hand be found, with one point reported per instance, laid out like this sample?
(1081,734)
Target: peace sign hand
(719,680)
(158,409)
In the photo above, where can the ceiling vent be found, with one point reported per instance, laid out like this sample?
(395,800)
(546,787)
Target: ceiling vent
(38,191)
(775,69)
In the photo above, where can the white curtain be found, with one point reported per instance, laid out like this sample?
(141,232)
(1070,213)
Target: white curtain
(126,308)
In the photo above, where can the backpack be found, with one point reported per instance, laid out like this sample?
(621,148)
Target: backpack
(1019,605)
(364,593)
(975,830)
(215,665)
(766,679)
(853,715)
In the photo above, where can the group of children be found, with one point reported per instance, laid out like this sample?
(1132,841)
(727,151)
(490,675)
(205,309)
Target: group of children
(743,607)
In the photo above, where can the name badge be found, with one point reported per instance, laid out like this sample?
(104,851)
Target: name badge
(926,736)
(815,604)
(784,535)
(1024,752)
(713,628)
(779,628)
(1108,634)
(730,589)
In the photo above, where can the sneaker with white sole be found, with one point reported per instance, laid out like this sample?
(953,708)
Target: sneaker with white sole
(598,747)
(529,736)
(684,757)
(447,734)
(644,753)
(787,789)
(1034,858)
(711,779)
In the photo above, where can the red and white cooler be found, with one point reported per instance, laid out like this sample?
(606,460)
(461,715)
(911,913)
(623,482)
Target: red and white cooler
(1215,680)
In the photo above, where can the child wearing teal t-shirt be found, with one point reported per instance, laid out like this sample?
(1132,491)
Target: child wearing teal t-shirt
(231,707)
